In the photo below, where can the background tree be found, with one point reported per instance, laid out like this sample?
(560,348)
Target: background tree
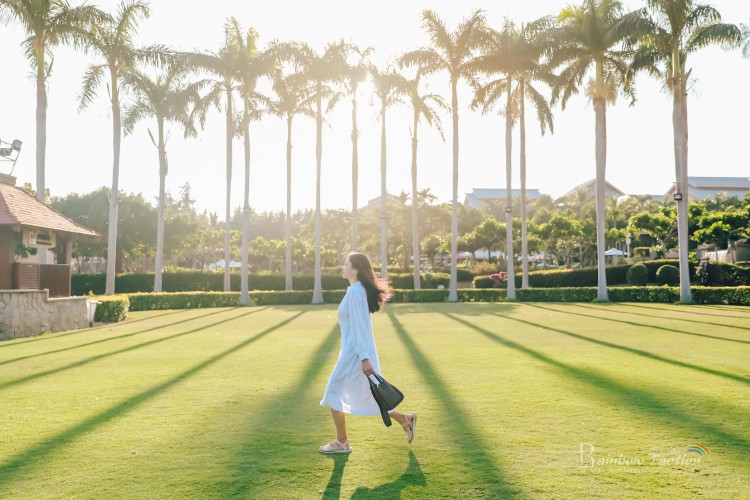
(112,40)
(252,66)
(389,87)
(452,52)
(591,36)
(168,97)
(323,72)
(223,66)
(293,99)
(354,73)
(671,30)
(423,105)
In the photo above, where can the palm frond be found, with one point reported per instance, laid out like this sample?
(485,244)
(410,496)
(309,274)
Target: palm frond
(91,80)
(728,36)
(543,110)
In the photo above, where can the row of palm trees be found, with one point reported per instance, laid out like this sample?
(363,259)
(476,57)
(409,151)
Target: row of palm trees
(594,38)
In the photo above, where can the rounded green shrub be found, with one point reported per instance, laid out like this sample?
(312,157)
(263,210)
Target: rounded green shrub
(668,275)
(637,275)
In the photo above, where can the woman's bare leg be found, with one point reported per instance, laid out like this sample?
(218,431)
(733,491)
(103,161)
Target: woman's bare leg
(339,420)
(404,420)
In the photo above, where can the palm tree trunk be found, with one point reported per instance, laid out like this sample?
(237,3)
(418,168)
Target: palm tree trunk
(317,285)
(680,125)
(509,257)
(41,141)
(453,292)
(114,194)
(524,231)
(244,285)
(383,199)
(41,129)
(414,206)
(601,164)
(159,259)
(288,285)
(355,172)
(228,208)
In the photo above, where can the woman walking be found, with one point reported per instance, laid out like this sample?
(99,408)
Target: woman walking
(348,390)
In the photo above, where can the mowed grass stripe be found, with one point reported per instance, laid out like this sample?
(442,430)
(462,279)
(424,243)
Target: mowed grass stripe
(31,457)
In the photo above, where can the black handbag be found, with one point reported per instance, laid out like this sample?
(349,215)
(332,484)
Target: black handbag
(386,395)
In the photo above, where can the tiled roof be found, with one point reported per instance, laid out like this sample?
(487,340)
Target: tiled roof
(19,208)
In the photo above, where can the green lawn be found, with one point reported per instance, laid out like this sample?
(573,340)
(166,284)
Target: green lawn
(514,399)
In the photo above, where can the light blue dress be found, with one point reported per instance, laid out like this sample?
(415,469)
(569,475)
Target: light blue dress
(348,390)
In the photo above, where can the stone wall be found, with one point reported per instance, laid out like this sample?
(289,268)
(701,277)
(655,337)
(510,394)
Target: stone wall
(25,313)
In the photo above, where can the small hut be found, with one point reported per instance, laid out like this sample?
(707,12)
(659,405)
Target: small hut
(35,296)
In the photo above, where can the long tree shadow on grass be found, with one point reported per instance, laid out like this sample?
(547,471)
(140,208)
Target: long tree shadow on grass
(634,399)
(469,443)
(710,323)
(268,455)
(333,488)
(412,476)
(633,323)
(645,354)
(697,309)
(56,335)
(263,453)
(119,337)
(35,455)
(69,366)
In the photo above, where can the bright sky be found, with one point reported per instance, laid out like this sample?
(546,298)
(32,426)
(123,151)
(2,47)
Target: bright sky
(640,154)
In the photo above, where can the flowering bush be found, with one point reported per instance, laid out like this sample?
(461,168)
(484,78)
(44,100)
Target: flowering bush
(498,277)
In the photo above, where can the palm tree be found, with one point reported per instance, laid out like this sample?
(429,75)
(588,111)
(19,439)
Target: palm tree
(450,51)
(168,98)
(388,87)
(293,99)
(252,66)
(590,36)
(423,105)
(323,71)
(675,29)
(746,37)
(503,53)
(224,66)
(353,75)
(48,23)
(534,36)
(112,40)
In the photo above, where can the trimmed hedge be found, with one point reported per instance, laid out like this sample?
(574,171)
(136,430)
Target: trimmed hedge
(637,275)
(83,284)
(668,275)
(577,294)
(736,296)
(113,308)
(483,282)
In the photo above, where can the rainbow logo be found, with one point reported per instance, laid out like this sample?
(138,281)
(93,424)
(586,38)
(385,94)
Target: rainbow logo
(699,449)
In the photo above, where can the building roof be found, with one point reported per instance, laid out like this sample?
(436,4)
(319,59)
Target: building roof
(478,196)
(700,188)
(590,188)
(19,208)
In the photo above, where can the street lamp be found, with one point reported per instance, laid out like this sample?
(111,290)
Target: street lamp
(10,152)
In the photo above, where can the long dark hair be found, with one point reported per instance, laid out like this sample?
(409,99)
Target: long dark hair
(378,291)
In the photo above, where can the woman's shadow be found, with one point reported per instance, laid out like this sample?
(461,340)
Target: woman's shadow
(413,475)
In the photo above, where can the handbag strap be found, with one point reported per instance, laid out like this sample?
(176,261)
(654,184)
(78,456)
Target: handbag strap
(377,377)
